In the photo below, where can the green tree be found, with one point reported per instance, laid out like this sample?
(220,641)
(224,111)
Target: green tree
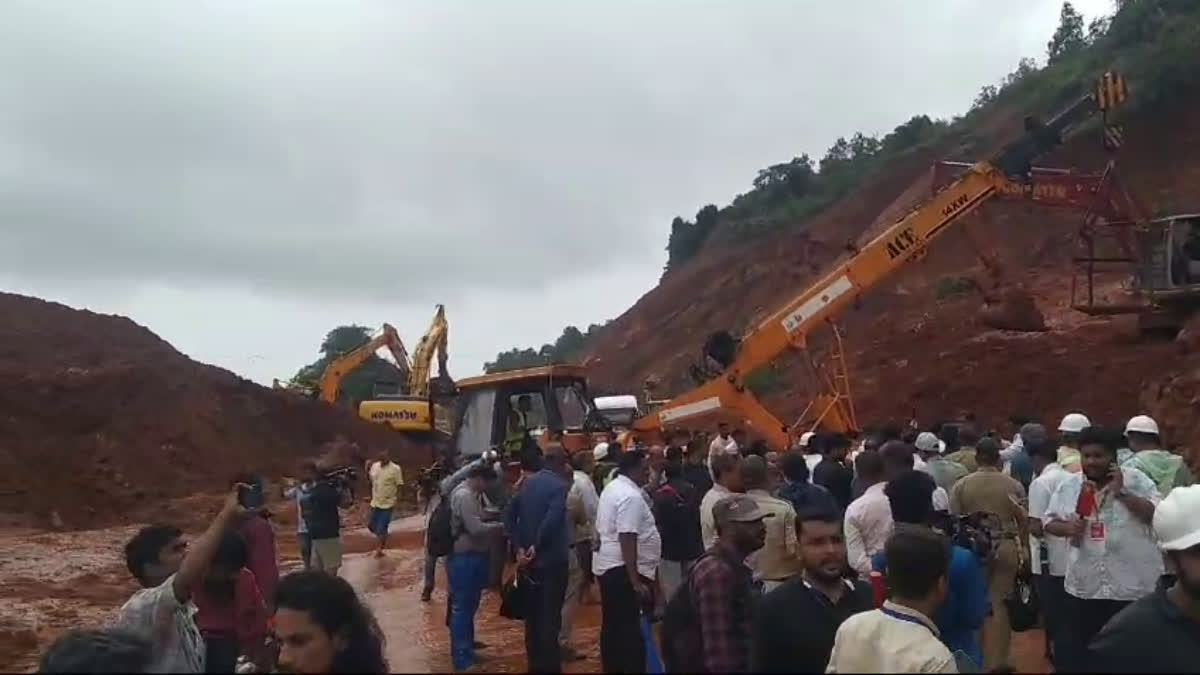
(359,384)
(1068,38)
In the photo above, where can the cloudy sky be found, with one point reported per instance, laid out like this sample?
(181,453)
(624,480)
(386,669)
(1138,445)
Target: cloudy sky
(242,176)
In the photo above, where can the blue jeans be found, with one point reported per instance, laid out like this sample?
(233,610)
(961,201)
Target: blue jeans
(468,573)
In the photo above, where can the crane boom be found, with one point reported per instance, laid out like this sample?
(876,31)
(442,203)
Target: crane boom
(788,327)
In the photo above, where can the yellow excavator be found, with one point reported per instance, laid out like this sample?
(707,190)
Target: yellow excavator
(728,361)
(411,409)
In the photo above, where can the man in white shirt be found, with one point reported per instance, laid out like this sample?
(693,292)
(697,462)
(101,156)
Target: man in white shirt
(868,519)
(901,636)
(1105,513)
(1048,553)
(626,561)
(722,444)
(728,480)
(812,454)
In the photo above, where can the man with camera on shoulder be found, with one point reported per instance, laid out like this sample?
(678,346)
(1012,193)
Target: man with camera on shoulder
(321,515)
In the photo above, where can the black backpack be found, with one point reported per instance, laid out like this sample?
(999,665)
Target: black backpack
(439,536)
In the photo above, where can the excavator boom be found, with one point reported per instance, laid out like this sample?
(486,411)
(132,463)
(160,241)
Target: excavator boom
(331,379)
(901,243)
(435,339)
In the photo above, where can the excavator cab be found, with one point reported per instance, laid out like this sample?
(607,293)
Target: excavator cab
(560,409)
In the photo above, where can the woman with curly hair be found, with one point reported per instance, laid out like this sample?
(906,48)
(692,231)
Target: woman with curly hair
(323,627)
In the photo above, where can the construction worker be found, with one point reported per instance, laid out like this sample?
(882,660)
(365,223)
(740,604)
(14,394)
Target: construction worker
(1166,469)
(1068,452)
(517,428)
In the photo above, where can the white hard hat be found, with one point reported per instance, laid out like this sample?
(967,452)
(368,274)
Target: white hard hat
(928,442)
(1074,423)
(805,438)
(1177,519)
(1142,424)
(600,451)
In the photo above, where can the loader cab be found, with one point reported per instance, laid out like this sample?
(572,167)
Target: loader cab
(560,408)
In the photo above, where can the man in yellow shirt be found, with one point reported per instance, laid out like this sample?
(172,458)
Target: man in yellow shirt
(386,481)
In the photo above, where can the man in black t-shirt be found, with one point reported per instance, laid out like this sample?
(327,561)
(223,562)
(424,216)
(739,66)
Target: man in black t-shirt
(320,513)
(821,595)
(833,473)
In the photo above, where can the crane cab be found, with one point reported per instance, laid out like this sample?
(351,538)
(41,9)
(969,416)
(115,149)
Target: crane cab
(560,408)
(1167,271)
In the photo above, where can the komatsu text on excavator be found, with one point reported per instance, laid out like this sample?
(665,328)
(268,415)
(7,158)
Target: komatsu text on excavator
(905,241)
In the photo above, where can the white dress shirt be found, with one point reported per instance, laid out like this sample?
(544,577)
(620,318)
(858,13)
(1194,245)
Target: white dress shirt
(1040,491)
(708,524)
(1119,562)
(623,509)
(868,524)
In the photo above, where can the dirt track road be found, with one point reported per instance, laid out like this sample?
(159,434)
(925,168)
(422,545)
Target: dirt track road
(53,581)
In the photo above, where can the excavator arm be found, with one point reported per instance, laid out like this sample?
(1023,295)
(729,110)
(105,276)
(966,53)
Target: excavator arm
(434,340)
(878,260)
(331,379)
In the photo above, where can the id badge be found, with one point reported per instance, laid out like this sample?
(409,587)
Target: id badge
(1096,530)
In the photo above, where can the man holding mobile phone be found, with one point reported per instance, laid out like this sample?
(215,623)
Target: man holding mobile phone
(255,528)
(1105,513)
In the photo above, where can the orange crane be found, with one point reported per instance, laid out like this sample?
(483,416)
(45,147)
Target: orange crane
(905,241)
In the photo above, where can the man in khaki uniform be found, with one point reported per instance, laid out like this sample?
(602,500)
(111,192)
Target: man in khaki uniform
(777,561)
(991,491)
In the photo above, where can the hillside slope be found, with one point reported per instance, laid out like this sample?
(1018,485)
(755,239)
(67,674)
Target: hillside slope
(99,416)
(909,351)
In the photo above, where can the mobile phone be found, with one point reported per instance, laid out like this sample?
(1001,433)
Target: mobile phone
(250,496)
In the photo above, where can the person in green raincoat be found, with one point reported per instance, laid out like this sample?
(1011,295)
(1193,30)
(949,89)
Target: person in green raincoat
(1166,469)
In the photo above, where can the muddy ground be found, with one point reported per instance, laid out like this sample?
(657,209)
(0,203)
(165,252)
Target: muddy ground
(53,581)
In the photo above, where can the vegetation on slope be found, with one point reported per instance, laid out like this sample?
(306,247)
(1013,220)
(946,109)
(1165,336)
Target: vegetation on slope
(1153,42)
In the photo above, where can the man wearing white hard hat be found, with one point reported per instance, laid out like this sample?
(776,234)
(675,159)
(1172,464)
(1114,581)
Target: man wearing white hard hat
(1161,632)
(1068,451)
(812,454)
(1166,469)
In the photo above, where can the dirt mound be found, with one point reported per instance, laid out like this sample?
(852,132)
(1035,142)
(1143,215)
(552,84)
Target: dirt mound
(100,417)
(1016,310)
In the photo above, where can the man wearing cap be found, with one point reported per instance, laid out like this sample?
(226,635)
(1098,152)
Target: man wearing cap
(1069,428)
(1161,632)
(944,472)
(605,464)
(1166,469)
(721,594)
(812,452)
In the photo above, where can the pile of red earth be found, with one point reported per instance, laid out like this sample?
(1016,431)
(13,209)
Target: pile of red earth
(100,418)
(919,342)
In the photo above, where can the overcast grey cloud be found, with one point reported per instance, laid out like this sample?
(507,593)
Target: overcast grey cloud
(293,164)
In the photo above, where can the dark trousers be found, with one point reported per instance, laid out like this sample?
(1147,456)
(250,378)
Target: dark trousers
(305,548)
(1084,619)
(621,647)
(1053,598)
(543,618)
(220,653)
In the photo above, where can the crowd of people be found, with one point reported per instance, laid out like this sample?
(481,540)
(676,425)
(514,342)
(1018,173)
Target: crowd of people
(902,550)
(905,550)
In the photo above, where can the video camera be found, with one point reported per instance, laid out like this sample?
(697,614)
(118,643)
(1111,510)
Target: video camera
(342,478)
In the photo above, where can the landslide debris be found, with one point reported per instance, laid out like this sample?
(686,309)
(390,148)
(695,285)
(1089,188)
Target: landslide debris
(99,418)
